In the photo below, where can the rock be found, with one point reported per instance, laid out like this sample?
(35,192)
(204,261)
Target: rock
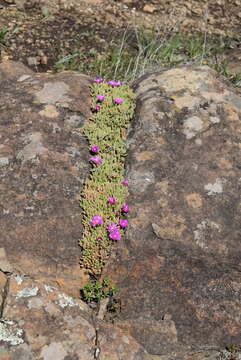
(116,344)
(182,251)
(102,308)
(234,61)
(3,285)
(41,323)
(40,217)
(20,4)
(153,332)
(5,266)
(44,60)
(33,60)
(56,315)
(149,9)
(4,161)
(9,70)
(178,270)
(42,316)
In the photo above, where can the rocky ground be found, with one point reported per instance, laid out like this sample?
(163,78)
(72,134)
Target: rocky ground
(40,32)
(177,268)
(188,238)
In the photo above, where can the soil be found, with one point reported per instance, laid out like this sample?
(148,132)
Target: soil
(40,32)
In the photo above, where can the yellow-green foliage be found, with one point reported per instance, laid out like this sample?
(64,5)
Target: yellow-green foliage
(107,129)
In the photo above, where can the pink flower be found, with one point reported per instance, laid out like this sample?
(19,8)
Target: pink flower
(112,227)
(125,183)
(96,108)
(96,220)
(114,83)
(125,208)
(96,160)
(100,98)
(118,101)
(94,148)
(112,200)
(123,223)
(98,80)
(115,235)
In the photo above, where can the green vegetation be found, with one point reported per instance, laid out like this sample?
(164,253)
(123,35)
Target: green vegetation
(106,129)
(142,50)
(98,290)
(3,35)
(46,14)
(233,348)
(222,69)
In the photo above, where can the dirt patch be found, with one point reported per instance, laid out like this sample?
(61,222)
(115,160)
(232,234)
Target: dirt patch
(39,33)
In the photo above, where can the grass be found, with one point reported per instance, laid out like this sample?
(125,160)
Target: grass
(106,129)
(140,51)
(222,69)
(3,35)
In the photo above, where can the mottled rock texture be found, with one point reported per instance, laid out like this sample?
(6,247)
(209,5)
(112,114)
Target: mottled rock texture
(43,164)
(179,267)
(39,322)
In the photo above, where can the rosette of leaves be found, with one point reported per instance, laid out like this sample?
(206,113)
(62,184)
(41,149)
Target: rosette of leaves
(98,290)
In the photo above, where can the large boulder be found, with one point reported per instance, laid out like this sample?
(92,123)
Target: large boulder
(179,268)
(43,164)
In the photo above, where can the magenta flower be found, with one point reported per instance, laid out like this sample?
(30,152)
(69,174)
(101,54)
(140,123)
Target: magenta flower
(125,208)
(96,160)
(125,183)
(114,83)
(94,148)
(96,108)
(118,101)
(100,98)
(112,200)
(115,235)
(112,227)
(123,223)
(98,80)
(96,220)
